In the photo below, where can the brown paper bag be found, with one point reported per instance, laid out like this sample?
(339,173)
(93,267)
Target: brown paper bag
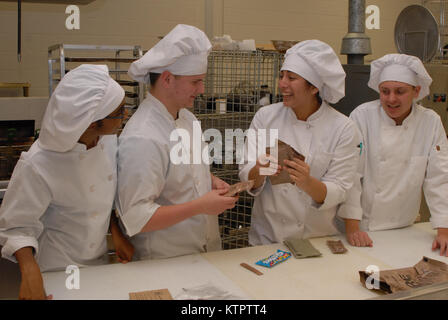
(426,272)
(285,152)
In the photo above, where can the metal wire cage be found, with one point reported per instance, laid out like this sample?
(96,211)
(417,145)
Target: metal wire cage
(439,9)
(237,84)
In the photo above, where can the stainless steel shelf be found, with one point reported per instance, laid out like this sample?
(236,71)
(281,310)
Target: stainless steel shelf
(64,57)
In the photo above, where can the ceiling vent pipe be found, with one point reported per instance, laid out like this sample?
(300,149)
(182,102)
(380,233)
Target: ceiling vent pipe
(356,44)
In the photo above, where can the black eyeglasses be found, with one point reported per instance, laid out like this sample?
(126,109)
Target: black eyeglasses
(121,116)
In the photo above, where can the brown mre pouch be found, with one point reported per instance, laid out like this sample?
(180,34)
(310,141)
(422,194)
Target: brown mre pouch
(336,247)
(285,152)
(426,272)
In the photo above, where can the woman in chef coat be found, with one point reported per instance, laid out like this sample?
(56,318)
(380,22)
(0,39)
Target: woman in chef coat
(57,208)
(405,148)
(310,78)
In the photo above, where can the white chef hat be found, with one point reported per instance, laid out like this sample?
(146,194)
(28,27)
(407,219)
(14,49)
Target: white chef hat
(183,51)
(316,62)
(402,68)
(84,95)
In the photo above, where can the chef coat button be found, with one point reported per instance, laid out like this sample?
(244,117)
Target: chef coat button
(92,245)
(92,188)
(94,214)
(308,126)
(110,177)
(81,157)
(405,127)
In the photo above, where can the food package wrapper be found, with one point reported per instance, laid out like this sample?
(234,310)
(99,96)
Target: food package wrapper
(239,187)
(426,272)
(285,152)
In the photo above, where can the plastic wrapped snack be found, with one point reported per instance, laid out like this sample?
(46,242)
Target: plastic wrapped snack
(274,259)
(239,187)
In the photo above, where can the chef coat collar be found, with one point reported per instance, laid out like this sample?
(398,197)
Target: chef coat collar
(79,147)
(160,107)
(391,122)
(312,118)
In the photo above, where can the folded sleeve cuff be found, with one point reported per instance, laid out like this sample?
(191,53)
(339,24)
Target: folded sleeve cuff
(137,217)
(245,169)
(439,222)
(256,192)
(334,197)
(15,243)
(244,176)
(347,211)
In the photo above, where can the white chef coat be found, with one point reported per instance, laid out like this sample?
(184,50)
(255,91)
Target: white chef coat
(396,162)
(147,179)
(329,141)
(60,203)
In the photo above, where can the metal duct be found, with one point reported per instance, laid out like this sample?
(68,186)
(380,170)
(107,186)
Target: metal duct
(356,44)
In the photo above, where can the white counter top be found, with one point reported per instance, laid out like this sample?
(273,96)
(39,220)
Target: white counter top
(327,277)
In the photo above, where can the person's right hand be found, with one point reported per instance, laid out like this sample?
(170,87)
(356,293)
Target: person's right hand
(267,165)
(32,285)
(214,202)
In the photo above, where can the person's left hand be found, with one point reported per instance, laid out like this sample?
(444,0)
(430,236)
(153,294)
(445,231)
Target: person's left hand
(299,172)
(359,239)
(441,241)
(219,184)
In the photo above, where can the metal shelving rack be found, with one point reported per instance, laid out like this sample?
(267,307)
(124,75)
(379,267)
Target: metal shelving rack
(64,57)
(236,85)
(439,9)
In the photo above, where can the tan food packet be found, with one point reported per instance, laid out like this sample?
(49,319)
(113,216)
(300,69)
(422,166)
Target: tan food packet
(161,294)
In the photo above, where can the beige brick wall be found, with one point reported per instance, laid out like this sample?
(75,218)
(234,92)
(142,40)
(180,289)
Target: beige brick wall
(130,22)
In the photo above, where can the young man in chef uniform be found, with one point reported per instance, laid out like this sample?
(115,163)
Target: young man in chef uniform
(405,148)
(169,208)
(57,208)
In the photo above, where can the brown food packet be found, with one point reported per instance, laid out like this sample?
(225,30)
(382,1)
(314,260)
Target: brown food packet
(161,294)
(336,246)
(285,152)
(239,187)
(426,272)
